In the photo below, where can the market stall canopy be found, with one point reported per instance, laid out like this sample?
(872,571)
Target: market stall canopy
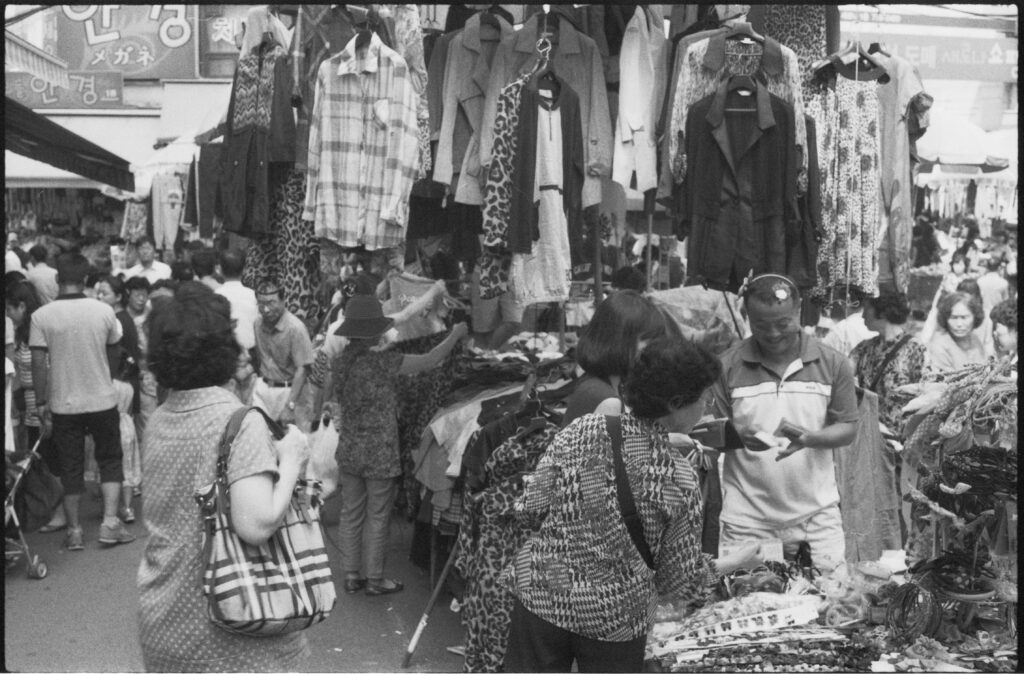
(20,56)
(175,157)
(32,135)
(955,141)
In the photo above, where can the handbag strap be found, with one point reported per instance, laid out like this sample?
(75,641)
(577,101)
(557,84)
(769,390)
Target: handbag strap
(887,360)
(625,494)
(231,432)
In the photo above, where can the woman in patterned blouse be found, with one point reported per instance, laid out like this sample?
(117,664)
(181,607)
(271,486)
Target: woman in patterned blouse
(583,592)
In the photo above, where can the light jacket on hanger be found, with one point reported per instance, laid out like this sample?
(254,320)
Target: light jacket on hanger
(466,78)
(642,65)
(577,60)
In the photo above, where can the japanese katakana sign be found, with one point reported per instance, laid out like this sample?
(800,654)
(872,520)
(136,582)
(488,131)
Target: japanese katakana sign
(139,41)
(88,90)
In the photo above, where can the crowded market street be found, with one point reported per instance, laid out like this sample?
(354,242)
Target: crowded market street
(514,337)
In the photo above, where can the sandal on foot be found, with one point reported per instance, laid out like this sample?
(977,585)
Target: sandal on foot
(353,585)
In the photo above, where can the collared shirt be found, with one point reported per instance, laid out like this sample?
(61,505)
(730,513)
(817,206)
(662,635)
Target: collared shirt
(76,331)
(283,348)
(703,66)
(816,390)
(244,311)
(363,148)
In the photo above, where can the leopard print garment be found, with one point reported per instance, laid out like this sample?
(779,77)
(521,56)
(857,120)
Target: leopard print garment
(487,605)
(495,261)
(289,253)
(802,28)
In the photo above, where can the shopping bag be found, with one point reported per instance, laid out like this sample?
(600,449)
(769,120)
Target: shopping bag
(323,461)
(281,586)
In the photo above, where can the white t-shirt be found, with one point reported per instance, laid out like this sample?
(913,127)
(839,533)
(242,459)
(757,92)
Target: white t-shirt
(243,311)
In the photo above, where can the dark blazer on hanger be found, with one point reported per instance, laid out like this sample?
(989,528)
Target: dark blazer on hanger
(740,204)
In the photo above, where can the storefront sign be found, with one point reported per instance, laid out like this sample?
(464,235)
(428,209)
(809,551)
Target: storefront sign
(951,58)
(88,90)
(140,41)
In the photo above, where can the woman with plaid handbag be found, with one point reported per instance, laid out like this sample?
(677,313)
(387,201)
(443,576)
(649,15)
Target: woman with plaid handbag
(193,354)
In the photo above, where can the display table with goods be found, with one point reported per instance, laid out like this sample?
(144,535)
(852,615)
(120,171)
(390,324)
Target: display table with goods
(953,609)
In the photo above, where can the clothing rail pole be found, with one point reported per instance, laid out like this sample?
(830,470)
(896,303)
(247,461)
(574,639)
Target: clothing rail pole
(598,280)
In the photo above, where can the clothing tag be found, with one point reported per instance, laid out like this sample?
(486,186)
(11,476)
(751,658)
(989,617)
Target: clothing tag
(744,92)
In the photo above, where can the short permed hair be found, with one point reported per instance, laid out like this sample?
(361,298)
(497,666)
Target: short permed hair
(669,373)
(191,342)
(137,283)
(769,289)
(947,303)
(891,306)
(608,343)
(181,271)
(1005,313)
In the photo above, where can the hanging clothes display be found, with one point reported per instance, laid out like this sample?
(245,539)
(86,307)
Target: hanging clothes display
(642,71)
(576,59)
(851,200)
(740,207)
(494,262)
(899,100)
(168,199)
(802,28)
(325,30)
(546,190)
(704,65)
(136,220)
(290,253)
(363,148)
(465,81)
(259,141)
(202,196)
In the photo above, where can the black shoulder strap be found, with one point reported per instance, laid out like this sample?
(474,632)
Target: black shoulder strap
(887,360)
(231,431)
(626,503)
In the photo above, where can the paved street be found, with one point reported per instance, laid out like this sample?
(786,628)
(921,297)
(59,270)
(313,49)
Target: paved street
(82,616)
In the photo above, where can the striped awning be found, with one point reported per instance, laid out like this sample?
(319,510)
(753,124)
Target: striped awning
(20,56)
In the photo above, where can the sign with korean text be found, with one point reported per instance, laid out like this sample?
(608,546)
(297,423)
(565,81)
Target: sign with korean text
(88,90)
(943,57)
(139,41)
(220,24)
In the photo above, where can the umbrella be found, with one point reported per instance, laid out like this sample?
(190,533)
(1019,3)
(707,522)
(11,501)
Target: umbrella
(957,142)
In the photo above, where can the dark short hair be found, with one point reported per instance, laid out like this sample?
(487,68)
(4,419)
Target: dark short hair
(766,289)
(969,286)
(608,343)
(13,276)
(947,303)
(669,373)
(958,256)
(117,286)
(232,262)
(191,342)
(38,252)
(137,283)
(145,239)
(629,278)
(17,293)
(72,268)
(891,306)
(169,283)
(204,262)
(993,263)
(182,271)
(1005,313)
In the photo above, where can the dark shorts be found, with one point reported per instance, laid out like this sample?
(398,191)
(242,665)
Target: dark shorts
(69,432)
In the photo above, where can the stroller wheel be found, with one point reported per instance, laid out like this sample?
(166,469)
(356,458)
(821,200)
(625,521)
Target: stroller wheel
(37,568)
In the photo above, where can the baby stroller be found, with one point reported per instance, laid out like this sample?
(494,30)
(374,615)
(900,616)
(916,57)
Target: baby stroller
(16,548)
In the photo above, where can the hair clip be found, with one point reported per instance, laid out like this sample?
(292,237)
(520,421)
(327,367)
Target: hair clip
(745,286)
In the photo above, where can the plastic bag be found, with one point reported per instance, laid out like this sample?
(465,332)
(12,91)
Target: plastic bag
(323,464)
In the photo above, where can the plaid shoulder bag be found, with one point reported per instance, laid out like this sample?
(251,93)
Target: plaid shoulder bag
(281,586)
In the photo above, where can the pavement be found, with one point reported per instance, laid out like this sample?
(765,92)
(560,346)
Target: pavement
(82,616)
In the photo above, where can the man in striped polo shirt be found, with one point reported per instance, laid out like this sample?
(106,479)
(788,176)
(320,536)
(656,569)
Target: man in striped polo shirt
(780,373)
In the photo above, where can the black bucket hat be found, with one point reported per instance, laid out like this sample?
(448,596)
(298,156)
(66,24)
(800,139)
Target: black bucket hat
(364,318)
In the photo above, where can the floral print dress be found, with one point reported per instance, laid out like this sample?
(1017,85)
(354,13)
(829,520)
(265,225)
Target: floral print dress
(906,367)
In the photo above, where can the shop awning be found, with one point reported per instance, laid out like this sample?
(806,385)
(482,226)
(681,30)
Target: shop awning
(33,135)
(20,56)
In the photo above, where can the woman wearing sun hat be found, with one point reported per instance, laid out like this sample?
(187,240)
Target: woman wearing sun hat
(365,375)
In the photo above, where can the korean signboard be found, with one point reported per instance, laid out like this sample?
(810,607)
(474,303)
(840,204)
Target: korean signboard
(88,90)
(139,41)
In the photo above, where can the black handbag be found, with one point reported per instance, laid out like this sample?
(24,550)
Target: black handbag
(625,494)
